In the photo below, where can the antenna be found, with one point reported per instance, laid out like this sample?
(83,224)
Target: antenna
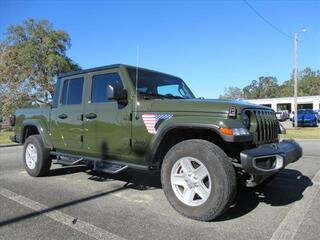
(137,77)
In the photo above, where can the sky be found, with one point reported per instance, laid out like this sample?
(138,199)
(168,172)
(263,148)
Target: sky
(211,45)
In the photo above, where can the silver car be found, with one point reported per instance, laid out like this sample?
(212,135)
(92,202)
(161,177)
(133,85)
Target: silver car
(281,116)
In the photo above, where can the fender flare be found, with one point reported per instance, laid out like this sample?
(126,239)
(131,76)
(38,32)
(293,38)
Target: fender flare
(42,131)
(164,129)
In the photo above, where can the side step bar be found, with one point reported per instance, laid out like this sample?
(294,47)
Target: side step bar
(106,166)
(68,161)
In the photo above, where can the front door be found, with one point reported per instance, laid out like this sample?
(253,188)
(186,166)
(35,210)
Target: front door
(107,124)
(66,118)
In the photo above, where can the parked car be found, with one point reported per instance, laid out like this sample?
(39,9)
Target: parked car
(201,147)
(287,113)
(281,116)
(306,117)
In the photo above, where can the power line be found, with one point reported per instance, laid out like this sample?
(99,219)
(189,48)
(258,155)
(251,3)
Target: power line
(266,20)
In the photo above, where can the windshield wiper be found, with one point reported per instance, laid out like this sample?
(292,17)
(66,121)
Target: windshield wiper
(169,96)
(148,95)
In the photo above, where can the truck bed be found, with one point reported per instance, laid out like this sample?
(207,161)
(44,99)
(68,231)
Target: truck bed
(40,114)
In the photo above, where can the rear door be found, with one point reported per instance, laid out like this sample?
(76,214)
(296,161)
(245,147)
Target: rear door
(67,116)
(107,123)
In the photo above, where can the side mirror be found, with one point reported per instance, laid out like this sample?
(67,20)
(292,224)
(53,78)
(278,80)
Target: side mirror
(122,97)
(110,92)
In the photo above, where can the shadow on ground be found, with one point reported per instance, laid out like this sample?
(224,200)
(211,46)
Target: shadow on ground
(137,179)
(286,188)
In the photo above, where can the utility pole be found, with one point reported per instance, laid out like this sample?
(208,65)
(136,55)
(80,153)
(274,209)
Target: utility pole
(295,80)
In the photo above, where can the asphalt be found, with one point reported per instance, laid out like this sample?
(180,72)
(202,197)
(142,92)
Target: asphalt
(131,205)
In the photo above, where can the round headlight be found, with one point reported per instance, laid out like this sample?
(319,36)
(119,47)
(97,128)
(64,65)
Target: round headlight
(246,119)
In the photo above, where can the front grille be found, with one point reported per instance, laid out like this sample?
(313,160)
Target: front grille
(265,126)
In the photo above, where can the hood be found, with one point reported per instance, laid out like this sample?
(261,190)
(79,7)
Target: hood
(200,105)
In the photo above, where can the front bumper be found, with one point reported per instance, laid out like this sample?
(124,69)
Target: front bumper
(268,159)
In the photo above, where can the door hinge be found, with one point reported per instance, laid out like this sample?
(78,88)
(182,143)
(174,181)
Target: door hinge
(130,142)
(81,138)
(130,117)
(81,117)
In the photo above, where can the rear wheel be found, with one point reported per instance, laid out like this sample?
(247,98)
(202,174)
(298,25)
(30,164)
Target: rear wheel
(36,157)
(198,180)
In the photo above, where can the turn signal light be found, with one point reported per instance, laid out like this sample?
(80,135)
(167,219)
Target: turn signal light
(226,131)
(235,131)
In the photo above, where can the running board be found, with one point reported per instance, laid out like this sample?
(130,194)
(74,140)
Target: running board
(68,161)
(107,167)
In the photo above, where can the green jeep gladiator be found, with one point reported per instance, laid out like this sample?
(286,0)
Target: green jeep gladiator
(117,117)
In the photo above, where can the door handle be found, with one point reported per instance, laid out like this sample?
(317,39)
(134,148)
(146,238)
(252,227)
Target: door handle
(63,116)
(91,115)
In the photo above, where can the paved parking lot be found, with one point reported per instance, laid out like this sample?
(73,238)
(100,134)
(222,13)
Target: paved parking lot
(76,203)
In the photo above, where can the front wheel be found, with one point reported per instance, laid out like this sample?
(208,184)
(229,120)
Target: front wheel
(198,179)
(36,157)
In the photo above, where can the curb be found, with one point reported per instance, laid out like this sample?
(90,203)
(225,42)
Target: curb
(10,145)
(302,139)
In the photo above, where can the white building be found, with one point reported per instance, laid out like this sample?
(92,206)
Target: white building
(286,103)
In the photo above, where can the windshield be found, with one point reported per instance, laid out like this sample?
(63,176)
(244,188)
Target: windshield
(306,111)
(159,85)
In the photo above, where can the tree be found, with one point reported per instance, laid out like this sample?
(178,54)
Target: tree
(286,89)
(265,87)
(252,90)
(30,56)
(268,87)
(310,83)
(232,93)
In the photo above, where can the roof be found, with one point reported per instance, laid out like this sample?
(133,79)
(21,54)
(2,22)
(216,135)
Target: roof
(106,68)
(282,98)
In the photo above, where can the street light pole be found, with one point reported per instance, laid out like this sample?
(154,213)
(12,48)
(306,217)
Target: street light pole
(295,80)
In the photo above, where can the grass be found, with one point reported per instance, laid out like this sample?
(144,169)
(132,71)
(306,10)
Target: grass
(4,137)
(303,133)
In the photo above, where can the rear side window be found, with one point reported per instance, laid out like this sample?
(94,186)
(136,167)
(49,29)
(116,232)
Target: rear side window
(56,94)
(100,83)
(72,91)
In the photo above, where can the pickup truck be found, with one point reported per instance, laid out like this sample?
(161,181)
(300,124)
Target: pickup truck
(118,117)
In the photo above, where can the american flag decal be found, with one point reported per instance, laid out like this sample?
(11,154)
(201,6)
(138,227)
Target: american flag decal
(150,121)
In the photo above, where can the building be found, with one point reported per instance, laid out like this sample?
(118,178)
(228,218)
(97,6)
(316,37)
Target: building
(287,103)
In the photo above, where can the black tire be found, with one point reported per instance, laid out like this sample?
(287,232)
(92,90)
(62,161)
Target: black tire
(220,169)
(43,159)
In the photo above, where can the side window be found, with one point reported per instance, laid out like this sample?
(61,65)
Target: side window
(72,91)
(56,94)
(100,83)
